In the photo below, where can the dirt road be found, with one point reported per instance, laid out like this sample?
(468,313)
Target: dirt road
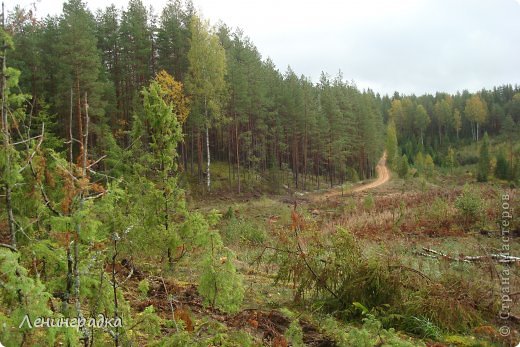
(383,176)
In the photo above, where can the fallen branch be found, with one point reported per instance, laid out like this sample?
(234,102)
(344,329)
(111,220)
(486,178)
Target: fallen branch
(502,258)
(170,301)
(5,245)
(26,140)
(97,161)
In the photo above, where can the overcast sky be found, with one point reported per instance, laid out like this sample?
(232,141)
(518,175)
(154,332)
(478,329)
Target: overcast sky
(412,46)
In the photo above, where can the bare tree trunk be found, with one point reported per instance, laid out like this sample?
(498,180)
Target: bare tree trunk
(305,139)
(192,152)
(85,139)
(80,118)
(207,144)
(209,159)
(199,155)
(114,289)
(296,164)
(184,159)
(69,286)
(229,148)
(71,140)
(318,172)
(77,281)
(330,166)
(238,155)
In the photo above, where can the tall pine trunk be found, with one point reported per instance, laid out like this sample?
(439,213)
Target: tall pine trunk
(85,139)
(207,144)
(80,119)
(209,159)
(199,155)
(238,155)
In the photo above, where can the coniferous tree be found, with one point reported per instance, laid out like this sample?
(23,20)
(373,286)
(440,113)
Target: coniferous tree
(157,131)
(403,166)
(9,165)
(79,75)
(429,165)
(391,145)
(510,129)
(109,44)
(451,160)
(484,164)
(239,102)
(502,166)
(136,55)
(419,162)
(173,38)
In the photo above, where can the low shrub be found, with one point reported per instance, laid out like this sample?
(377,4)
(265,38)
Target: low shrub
(470,207)
(455,303)
(144,288)
(467,159)
(439,210)
(370,334)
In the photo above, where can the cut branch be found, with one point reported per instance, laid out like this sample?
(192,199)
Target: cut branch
(502,258)
(8,247)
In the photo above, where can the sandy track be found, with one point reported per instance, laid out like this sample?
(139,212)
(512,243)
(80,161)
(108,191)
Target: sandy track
(383,176)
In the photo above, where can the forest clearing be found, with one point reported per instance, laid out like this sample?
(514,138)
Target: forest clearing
(163,183)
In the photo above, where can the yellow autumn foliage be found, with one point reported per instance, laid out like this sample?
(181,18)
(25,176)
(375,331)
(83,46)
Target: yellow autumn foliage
(174,95)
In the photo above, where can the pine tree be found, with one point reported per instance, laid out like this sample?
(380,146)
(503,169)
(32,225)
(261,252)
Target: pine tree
(136,55)
(391,145)
(451,160)
(419,162)
(157,131)
(510,129)
(502,167)
(403,167)
(79,77)
(109,43)
(173,38)
(220,284)
(239,102)
(429,165)
(484,164)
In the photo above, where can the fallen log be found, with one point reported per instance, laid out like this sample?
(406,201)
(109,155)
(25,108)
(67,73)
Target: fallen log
(501,258)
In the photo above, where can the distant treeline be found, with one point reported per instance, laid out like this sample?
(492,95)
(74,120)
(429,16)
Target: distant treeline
(242,110)
(434,123)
